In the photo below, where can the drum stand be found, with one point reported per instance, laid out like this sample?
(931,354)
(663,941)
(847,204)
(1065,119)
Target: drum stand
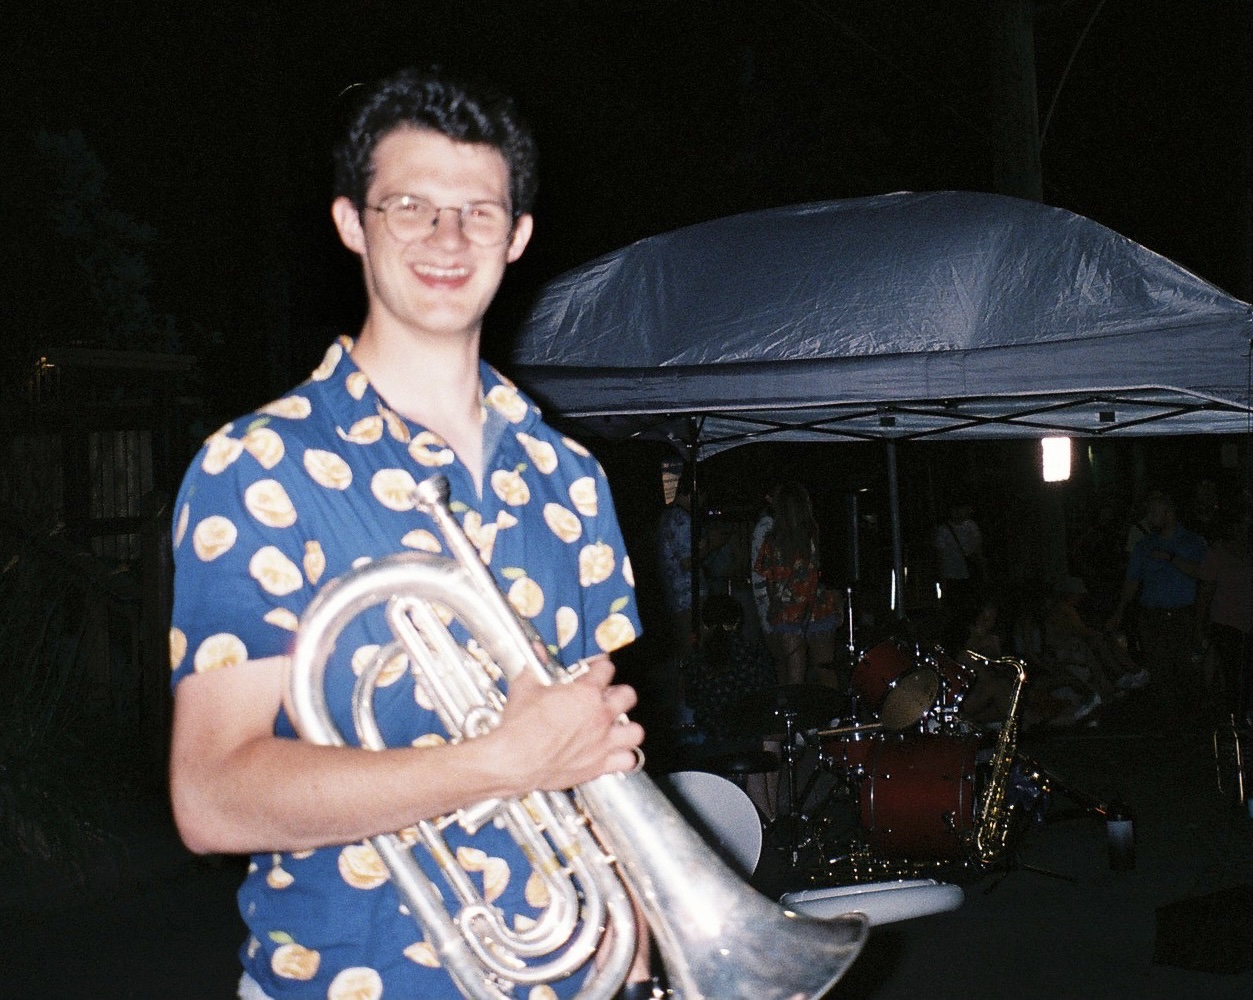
(850,620)
(792,817)
(795,827)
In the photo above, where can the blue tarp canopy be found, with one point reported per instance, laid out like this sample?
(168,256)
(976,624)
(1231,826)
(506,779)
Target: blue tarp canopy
(898,317)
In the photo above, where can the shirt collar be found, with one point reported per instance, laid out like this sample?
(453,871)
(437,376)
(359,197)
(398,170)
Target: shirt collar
(357,399)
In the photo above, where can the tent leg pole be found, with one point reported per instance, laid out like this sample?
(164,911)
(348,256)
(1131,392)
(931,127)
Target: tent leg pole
(894,508)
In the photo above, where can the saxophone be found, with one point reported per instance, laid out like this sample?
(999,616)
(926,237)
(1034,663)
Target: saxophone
(992,826)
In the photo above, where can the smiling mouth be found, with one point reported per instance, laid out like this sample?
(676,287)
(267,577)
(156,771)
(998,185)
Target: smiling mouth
(441,273)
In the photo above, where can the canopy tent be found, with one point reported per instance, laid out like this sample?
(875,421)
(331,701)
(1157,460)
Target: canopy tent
(906,316)
(902,316)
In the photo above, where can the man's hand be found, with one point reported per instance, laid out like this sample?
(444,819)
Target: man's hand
(556,736)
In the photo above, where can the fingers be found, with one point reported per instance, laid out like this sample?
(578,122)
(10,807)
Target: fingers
(620,698)
(599,668)
(629,757)
(569,733)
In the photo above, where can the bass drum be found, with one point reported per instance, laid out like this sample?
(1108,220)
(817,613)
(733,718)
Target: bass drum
(917,799)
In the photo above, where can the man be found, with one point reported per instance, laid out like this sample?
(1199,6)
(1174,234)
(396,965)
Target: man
(434,185)
(1165,596)
(674,558)
(958,543)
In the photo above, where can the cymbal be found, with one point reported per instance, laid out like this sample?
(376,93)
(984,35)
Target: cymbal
(764,713)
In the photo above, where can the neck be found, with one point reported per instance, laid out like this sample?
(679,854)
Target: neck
(420,376)
(431,381)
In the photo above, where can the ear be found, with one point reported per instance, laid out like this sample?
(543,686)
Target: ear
(348,222)
(522,230)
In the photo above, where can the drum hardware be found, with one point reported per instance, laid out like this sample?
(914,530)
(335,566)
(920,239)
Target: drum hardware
(764,713)
(855,729)
(790,819)
(891,683)
(850,622)
(787,713)
(842,751)
(814,818)
(917,799)
(1230,767)
(941,799)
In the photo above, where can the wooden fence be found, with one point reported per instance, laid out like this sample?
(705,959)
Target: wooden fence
(89,461)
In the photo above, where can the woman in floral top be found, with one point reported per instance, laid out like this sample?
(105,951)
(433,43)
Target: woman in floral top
(802,614)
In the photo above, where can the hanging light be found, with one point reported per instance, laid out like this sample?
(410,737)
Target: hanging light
(1056,455)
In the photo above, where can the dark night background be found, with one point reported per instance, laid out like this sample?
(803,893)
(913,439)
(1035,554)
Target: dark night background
(166,191)
(168,169)
(211,124)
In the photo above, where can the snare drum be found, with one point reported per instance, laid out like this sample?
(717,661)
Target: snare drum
(917,799)
(893,686)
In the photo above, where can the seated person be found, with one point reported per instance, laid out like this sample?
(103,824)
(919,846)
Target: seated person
(724,671)
(1086,652)
(988,701)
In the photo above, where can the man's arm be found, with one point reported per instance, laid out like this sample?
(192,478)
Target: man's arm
(237,788)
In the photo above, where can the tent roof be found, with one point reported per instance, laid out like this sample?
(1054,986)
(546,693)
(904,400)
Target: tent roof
(949,314)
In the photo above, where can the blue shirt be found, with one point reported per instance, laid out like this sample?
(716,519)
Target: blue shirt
(1163,586)
(674,547)
(284,500)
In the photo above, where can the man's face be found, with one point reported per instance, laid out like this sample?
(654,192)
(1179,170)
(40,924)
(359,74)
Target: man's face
(441,284)
(1158,515)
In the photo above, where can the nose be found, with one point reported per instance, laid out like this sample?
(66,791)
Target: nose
(444,231)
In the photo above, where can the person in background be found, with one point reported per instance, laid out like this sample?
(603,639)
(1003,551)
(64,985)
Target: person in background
(761,595)
(726,669)
(1087,652)
(958,543)
(674,557)
(1165,601)
(1137,530)
(1225,608)
(988,699)
(802,614)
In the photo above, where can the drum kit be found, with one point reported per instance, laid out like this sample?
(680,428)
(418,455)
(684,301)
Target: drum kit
(890,780)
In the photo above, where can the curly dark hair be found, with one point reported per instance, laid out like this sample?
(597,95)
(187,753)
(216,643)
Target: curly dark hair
(429,99)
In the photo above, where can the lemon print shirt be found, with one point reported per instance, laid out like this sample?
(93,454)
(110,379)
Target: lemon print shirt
(282,501)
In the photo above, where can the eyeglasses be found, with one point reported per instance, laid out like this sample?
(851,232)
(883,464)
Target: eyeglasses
(410,218)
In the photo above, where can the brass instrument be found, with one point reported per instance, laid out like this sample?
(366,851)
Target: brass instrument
(610,839)
(992,825)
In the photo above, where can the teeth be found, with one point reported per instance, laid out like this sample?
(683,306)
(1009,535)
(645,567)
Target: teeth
(441,272)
